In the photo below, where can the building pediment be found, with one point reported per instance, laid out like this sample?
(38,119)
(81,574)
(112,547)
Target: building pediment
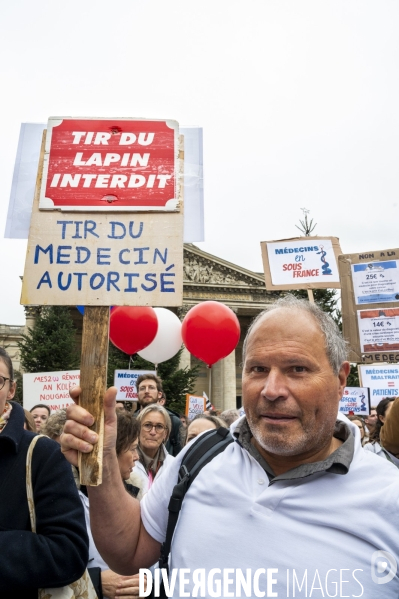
(203,269)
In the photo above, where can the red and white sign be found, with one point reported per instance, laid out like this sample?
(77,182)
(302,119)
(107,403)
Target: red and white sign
(49,388)
(110,164)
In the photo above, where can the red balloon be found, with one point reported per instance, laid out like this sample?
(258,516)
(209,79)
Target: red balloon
(131,329)
(210,331)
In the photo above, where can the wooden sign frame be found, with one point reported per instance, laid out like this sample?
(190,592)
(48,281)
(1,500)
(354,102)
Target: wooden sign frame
(303,241)
(350,325)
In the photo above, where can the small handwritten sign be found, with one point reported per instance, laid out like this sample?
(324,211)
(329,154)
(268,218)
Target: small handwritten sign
(194,405)
(49,388)
(356,400)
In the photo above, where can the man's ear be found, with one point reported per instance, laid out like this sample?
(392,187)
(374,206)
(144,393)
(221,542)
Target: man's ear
(159,395)
(343,375)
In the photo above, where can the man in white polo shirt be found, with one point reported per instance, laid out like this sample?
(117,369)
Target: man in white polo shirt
(281,512)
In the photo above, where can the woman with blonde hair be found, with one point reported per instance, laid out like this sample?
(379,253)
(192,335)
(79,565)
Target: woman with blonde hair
(155,427)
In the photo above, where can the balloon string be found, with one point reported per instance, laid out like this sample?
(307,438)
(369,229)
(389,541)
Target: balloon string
(210,383)
(130,361)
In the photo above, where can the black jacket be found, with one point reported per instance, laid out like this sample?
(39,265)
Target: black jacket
(173,444)
(57,555)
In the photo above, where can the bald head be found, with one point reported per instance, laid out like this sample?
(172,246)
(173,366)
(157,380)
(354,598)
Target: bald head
(335,346)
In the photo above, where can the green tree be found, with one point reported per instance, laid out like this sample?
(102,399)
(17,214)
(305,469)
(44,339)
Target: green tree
(51,344)
(353,378)
(176,381)
(18,397)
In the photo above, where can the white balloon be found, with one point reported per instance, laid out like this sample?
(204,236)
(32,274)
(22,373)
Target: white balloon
(168,339)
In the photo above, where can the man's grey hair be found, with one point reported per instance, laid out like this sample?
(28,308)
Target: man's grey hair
(336,348)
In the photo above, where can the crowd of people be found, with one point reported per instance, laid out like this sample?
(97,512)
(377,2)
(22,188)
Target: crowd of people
(147,440)
(294,457)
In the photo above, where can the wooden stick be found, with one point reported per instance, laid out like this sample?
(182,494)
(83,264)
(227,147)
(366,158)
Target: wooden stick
(93,381)
(310,296)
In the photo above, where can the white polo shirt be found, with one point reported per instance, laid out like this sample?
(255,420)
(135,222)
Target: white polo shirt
(318,533)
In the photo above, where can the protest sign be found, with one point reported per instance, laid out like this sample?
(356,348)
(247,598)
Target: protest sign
(381,379)
(49,388)
(301,263)
(376,282)
(92,163)
(379,330)
(356,400)
(370,294)
(125,382)
(106,229)
(194,405)
(98,258)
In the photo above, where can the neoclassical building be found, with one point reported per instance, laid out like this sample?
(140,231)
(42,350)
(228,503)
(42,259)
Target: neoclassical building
(9,337)
(206,277)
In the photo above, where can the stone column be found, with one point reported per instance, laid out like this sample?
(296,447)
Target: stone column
(30,316)
(185,358)
(229,381)
(217,385)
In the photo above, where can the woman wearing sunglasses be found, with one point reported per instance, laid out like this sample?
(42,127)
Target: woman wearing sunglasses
(155,427)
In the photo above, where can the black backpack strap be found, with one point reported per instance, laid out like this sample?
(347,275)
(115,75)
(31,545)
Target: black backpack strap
(202,451)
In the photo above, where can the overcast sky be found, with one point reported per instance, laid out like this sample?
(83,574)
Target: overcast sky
(298,100)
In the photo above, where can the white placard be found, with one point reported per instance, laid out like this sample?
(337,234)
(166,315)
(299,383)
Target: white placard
(302,261)
(376,282)
(381,379)
(125,382)
(356,400)
(378,330)
(49,388)
(194,405)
